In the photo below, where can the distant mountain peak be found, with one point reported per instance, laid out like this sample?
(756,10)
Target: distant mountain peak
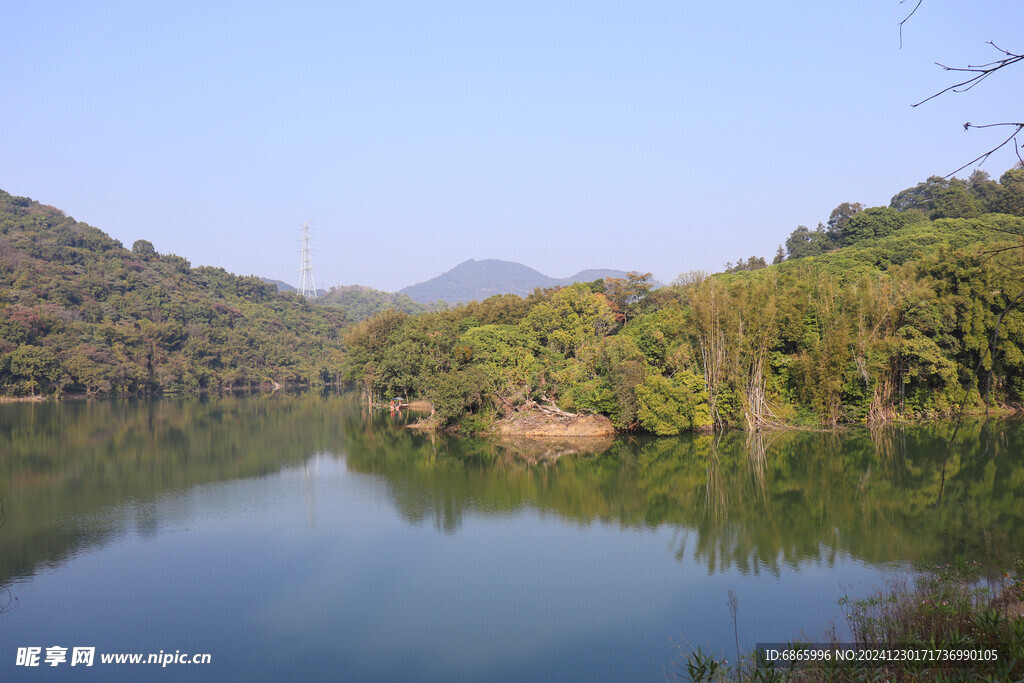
(478,279)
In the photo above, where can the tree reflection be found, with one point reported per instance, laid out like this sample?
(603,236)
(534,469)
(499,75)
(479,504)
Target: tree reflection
(752,502)
(67,467)
(756,502)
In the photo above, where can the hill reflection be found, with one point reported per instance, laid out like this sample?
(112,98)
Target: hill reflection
(754,502)
(77,475)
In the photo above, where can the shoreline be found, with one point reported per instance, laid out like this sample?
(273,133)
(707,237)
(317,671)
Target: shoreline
(501,426)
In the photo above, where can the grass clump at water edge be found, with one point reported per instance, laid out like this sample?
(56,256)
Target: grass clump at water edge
(950,607)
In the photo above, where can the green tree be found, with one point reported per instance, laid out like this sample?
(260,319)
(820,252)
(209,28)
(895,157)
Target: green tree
(804,242)
(629,296)
(839,217)
(988,192)
(506,355)
(940,197)
(753,263)
(1012,199)
(673,405)
(457,394)
(33,367)
(878,221)
(573,316)
(143,248)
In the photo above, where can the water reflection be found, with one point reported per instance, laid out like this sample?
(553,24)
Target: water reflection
(753,502)
(74,476)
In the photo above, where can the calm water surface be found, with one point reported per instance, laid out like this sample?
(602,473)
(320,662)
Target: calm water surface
(295,537)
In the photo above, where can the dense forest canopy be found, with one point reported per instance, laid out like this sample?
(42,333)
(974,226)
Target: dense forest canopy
(935,198)
(884,312)
(80,314)
(880,313)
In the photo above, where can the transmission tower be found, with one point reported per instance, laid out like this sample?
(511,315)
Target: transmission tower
(306,285)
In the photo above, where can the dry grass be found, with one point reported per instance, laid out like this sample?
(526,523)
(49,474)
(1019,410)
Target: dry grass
(957,606)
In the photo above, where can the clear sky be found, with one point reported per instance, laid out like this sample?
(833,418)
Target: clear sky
(658,136)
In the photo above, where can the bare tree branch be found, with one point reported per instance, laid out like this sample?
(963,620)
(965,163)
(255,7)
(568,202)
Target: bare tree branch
(1018,127)
(993,252)
(980,71)
(907,18)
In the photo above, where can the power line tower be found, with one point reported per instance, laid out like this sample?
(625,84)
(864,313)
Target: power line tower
(306,285)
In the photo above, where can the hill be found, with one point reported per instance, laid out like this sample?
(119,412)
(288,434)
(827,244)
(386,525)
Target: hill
(81,314)
(592,274)
(888,313)
(281,285)
(476,280)
(360,302)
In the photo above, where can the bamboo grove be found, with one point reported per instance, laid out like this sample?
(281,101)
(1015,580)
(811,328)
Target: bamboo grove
(907,313)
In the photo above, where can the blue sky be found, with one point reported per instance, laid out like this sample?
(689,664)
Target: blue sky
(656,136)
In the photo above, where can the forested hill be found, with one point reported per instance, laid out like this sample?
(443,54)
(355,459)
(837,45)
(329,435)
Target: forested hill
(360,302)
(885,313)
(80,314)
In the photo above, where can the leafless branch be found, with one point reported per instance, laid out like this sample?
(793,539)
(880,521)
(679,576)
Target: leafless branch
(1017,128)
(980,71)
(1013,269)
(907,18)
(990,255)
(993,252)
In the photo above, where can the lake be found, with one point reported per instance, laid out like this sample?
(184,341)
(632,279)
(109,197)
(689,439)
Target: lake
(299,537)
